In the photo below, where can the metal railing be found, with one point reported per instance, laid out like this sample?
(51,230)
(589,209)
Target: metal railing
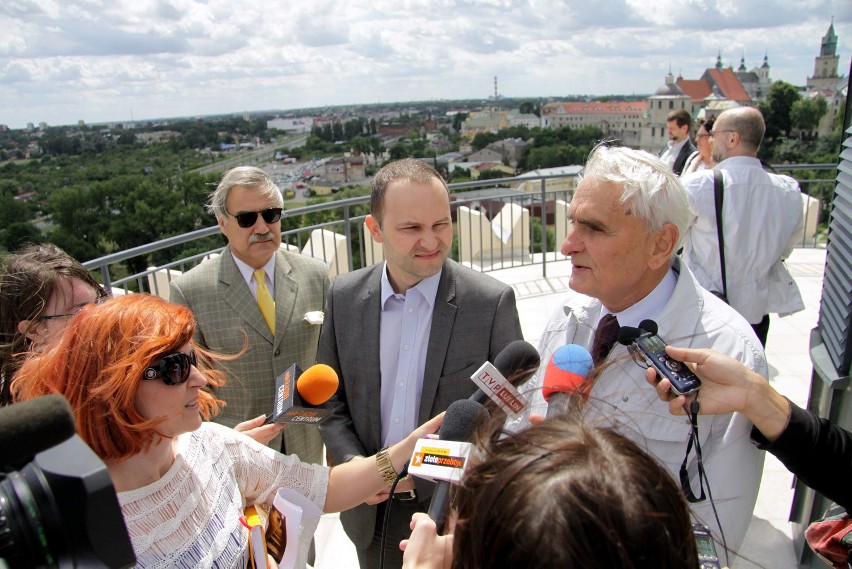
(475,206)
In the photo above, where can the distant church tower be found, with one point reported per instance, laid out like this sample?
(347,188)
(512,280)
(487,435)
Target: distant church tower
(825,65)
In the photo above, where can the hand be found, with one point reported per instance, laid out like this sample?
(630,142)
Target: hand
(400,453)
(726,386)
(382,496)
(536,419)
(405,484)
(255,429)
(425,549)
(429,427)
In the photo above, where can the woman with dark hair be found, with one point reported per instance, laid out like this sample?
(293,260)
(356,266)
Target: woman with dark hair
(701,158)
(560,495)
(41,288)
(137,385)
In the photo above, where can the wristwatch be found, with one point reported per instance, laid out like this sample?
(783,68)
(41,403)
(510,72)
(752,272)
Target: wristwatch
(383,462)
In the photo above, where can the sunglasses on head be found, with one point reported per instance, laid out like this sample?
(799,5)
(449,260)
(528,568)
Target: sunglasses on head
(248,218)
(173,369)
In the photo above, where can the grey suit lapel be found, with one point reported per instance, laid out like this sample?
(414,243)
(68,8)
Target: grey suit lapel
(238,296)
(367,309)
(286,289)
(443,317)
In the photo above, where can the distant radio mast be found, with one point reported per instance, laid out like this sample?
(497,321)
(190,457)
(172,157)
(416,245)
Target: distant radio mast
(495,88)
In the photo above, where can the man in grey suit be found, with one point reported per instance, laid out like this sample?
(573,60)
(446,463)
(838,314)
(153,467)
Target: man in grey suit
(223,295)
(405,336)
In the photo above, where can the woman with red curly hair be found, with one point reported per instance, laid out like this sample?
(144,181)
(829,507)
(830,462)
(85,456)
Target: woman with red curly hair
(138,387)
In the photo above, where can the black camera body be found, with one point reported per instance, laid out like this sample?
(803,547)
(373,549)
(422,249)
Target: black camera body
(653,350)
(60,508)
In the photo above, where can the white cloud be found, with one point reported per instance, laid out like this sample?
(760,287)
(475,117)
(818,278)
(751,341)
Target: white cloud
(97,59)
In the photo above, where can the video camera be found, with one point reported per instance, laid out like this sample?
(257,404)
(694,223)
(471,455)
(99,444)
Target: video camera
(58,507)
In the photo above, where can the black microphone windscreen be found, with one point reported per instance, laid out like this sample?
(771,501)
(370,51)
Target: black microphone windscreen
(33,426)
(516,357)
(648,326)
(461,420)
(627,334)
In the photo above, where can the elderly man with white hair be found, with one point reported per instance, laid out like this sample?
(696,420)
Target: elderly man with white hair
(628,218)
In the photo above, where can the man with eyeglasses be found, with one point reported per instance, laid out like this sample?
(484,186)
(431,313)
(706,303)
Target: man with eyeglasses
(762,220)
(252,300)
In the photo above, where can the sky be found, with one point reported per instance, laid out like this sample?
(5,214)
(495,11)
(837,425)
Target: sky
(62,61)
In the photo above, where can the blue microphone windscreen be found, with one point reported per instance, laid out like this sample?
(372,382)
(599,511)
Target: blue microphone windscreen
(573,358)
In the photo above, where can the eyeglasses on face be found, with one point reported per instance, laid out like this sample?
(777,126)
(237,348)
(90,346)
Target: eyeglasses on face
(714,132)
(247,219)
(703,135)
(173,369)
(102,296)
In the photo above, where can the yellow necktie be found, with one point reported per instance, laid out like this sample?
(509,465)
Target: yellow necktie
(264,300)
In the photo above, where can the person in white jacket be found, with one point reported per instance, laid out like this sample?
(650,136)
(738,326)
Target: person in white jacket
(628,216)
(762,220)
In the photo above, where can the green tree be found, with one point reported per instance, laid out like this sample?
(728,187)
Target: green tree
(399,151)
(18,233)
(336,132)
(776,109)
(483,139)
(806,113)
(530,107)
(493,174)
(458,119)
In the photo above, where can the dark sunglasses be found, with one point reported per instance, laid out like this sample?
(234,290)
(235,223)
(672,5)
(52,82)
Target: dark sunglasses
(173,369)
(247,219)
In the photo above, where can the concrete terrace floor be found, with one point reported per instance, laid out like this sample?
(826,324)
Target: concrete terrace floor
(769,539)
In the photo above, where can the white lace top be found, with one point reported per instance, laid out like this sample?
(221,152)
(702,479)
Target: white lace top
(190,517)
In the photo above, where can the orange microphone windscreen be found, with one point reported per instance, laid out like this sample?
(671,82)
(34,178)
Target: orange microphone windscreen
(317,384)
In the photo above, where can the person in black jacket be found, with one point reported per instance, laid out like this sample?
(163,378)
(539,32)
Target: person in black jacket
(816,451)
(679,146)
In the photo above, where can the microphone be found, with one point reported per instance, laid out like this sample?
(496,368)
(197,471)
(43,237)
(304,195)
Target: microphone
(298,395)
(31,427)
(518,361)
(317,384)
(459,424)
(565,379)
(627,334)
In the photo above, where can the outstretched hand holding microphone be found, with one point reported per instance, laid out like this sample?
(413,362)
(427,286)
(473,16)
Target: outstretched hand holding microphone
(727,386)
(313,387)
(816,451)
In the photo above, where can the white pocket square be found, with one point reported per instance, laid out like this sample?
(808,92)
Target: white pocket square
(314,317)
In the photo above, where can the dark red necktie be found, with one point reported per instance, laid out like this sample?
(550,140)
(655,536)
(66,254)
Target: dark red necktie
(605,337)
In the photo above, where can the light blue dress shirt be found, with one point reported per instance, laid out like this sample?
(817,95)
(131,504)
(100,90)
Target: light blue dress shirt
(406,320)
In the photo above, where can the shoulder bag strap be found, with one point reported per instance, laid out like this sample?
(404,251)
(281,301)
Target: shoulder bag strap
(718,190)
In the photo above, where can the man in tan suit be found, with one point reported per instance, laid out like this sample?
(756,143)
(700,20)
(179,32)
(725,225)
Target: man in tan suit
(223,295)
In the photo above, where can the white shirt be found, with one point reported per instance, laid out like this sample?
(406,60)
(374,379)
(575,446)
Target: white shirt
(669,155)
(763,219)
(190,516)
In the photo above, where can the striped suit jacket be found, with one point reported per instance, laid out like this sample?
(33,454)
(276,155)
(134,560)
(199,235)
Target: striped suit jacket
(229,320)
